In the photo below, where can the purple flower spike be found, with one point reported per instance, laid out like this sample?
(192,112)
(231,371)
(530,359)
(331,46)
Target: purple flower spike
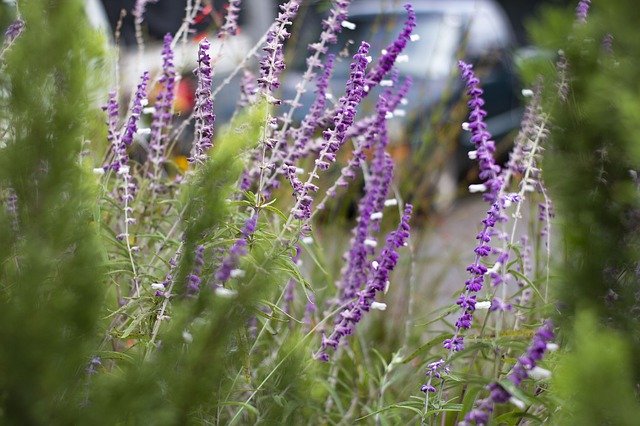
(237,250)
(353,312)
(13,31)
(499,395)
(194,279)
(120,142)
(139,9)
(335,137)
(205,118)
(230,27)
(582,11)
(163,108)
(136,109)
(386,61)
(331,26)
(272,64)
(480,136)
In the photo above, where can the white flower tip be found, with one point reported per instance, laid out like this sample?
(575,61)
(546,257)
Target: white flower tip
(235,273)
(391,202)
(98,171)
(148,110)
(375,264)
(494,268)
(399,112)
(299,170)
(388,115)
(376,216)
(146,131)
(386,286)
(515,401)
(328,96)
(188,338)
(486,304)
(404,101)
(144,102)
(386,83)
(307,240)
(366,88)
(379,306)
(480,187)
(552,347)
(370,243)
(226,293)
(402,58)
(414,37)
(472,155)
(123,170)
(369,59)
(384,51)
(299,262)
(539,373)
(348,25)
(157,286)
(466,127)
(527,93)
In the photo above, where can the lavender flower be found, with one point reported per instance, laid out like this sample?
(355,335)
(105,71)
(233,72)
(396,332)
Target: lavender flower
(310,121)
(334,138)
(205,118)
(357,269)
(522,370)
(11,206)
(139,100)
(376,132)
(13,31)
(163,108)
(139,9)
(386,61)
(331,26)
(94,364)
(194,279)
(352,314)
(248,89)
(582,10)
(230,27)
(238,249)
(121,142)
(480,136)
(272,64)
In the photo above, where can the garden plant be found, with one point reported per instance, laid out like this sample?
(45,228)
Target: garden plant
(135,289)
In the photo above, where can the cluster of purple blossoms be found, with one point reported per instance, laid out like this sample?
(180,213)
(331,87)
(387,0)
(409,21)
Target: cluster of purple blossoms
(121,142)
(480,136)
(163,289)
(582,11)
(358,269)
(388,59)
(310,122)
(335,137)
(331,26)
(194,279)
(205,118)
(434,371)
(377,283)
(248,89)
(272,64)
(525,366)
(163,106)
(237,250)
(230,27)
(13,31)
(139,10)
